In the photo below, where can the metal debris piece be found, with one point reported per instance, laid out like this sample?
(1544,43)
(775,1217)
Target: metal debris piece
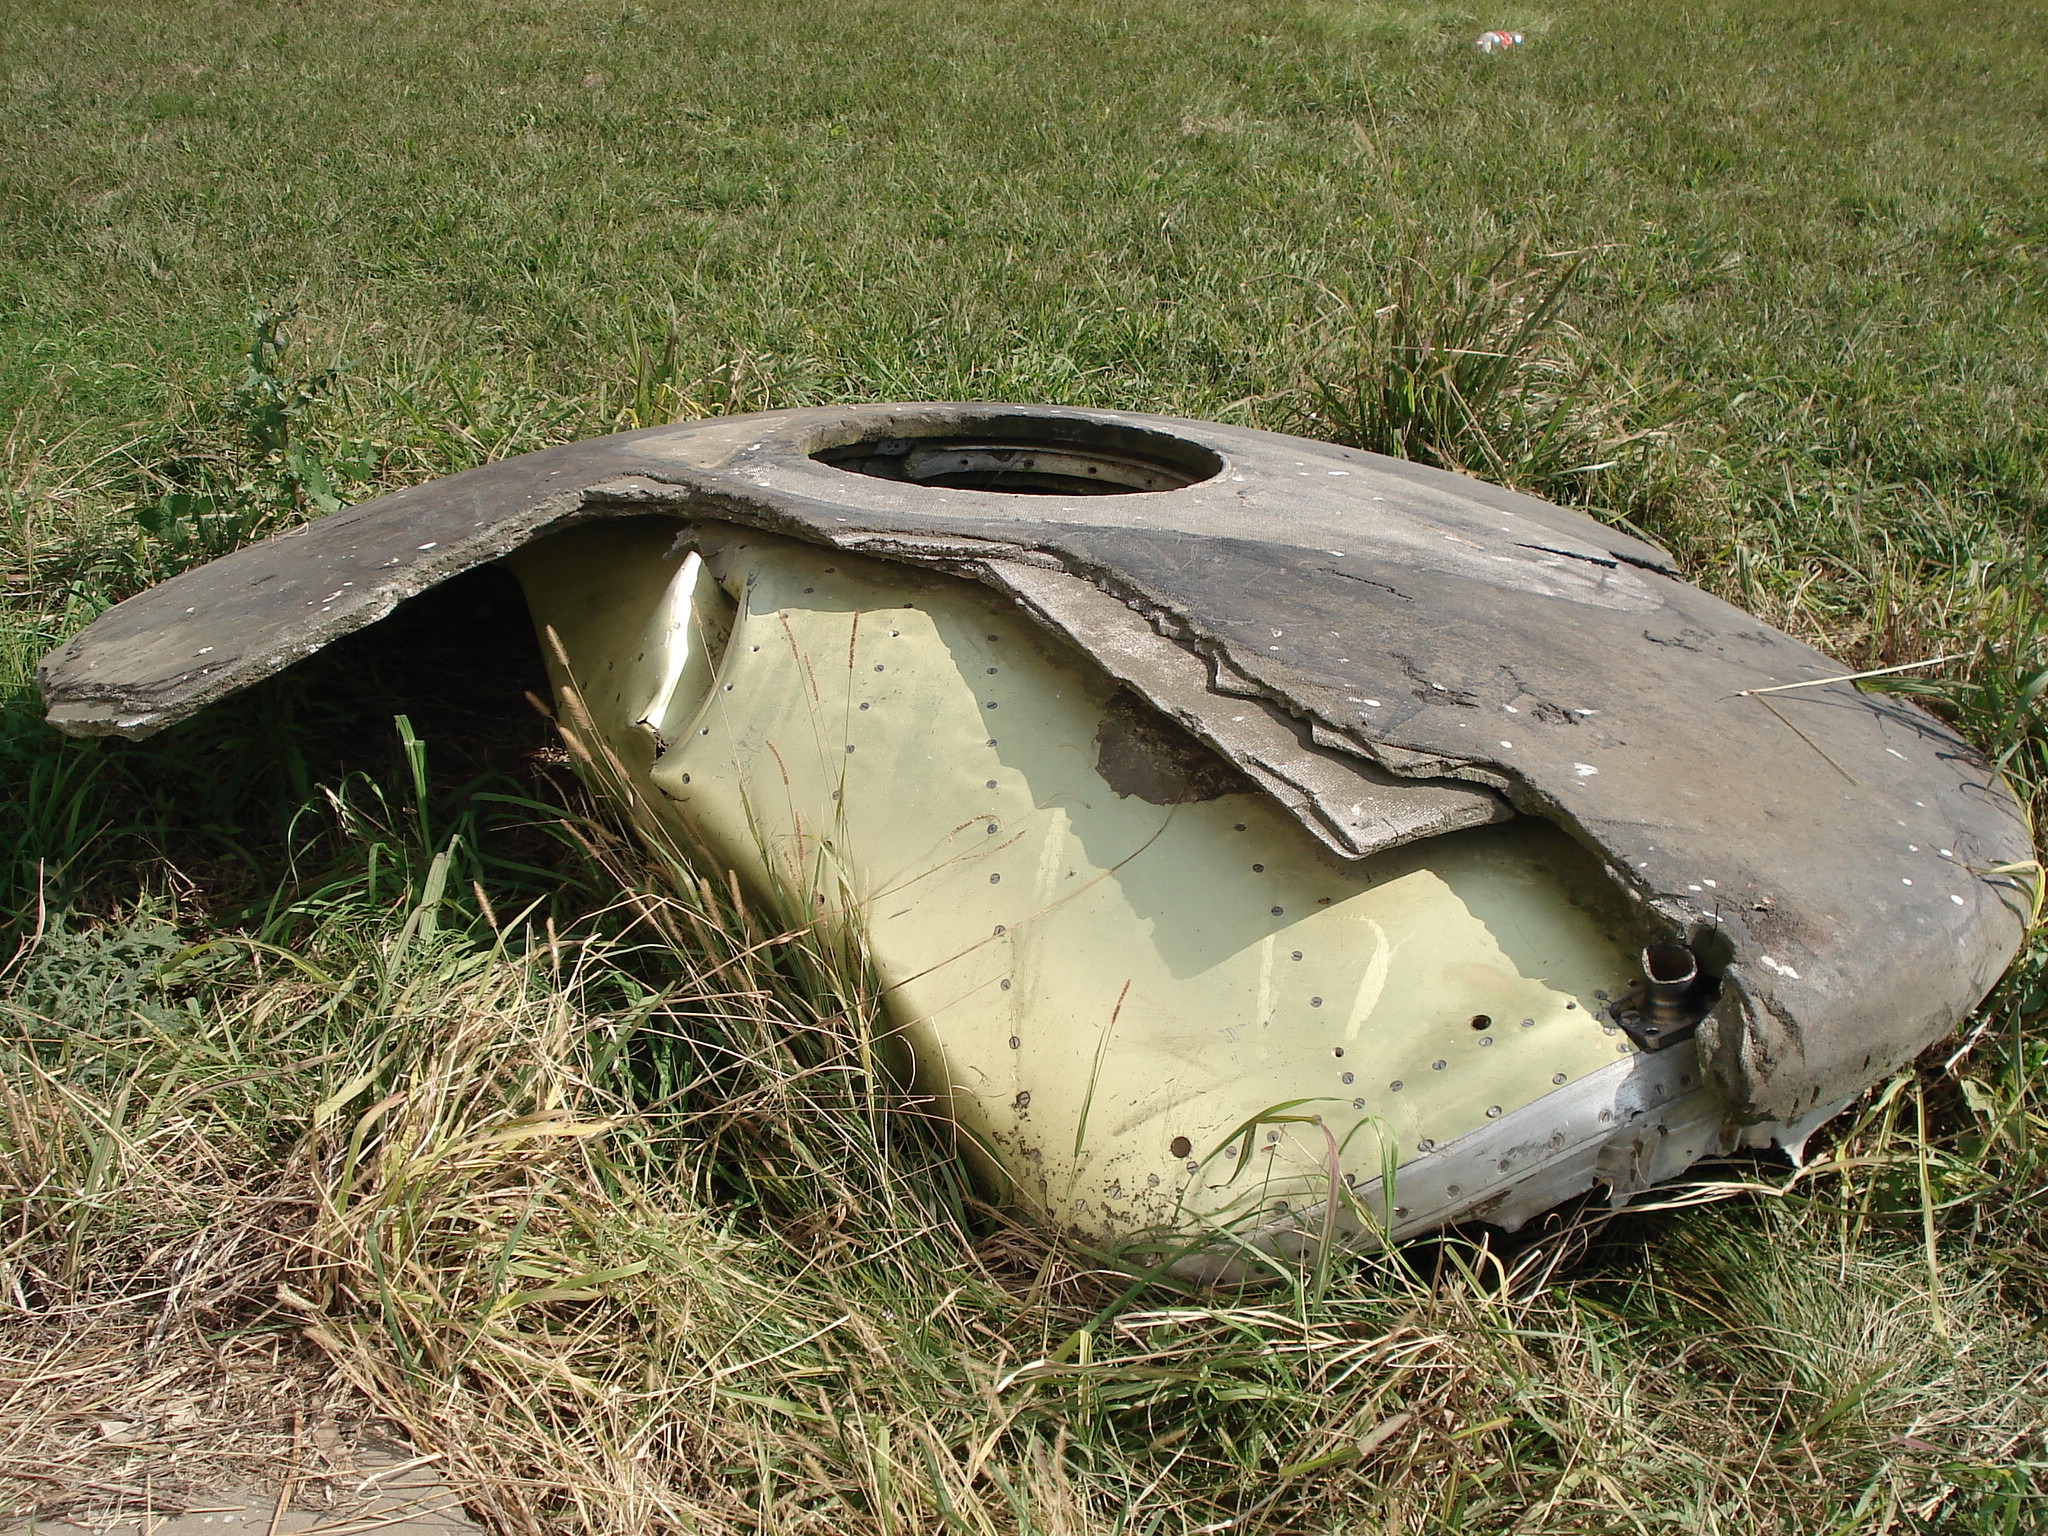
(1178,771)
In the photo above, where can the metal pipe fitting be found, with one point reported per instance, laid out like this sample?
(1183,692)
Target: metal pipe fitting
(1671,981)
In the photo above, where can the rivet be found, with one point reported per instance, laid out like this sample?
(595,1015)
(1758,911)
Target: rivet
(1436,1066)
(1004,983)
(1258,869)
(1314,1002)
(1239,827)
(1350,1077)
(995,879)
(990,785)
(1557,1077)
(1015,1043)
(1278,910)
(863,706)
(1297,954)
(878,666)
(1425,1145)
(1502,1166)
(1001,930)
(990,742)
(993,829)
(1358,1103)
(1395,1085)
(1528,1023)
(1493,1111)
(1400,1210)
(1451,1189)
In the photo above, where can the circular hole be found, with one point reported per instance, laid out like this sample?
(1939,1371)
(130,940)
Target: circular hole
(1180,1146)
(1016,454)
(1481,1021)
(1670,965)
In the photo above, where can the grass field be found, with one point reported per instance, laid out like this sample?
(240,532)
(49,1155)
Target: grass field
(358,1066)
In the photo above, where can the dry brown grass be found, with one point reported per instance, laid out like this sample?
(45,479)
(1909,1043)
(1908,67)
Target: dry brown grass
(613,1222)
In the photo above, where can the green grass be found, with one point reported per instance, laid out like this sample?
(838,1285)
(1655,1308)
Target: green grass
(319,1041)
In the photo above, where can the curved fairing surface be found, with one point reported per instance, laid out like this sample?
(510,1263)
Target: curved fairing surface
(1833,855)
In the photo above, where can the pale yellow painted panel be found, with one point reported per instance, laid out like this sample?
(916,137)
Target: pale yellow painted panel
(1105,989)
